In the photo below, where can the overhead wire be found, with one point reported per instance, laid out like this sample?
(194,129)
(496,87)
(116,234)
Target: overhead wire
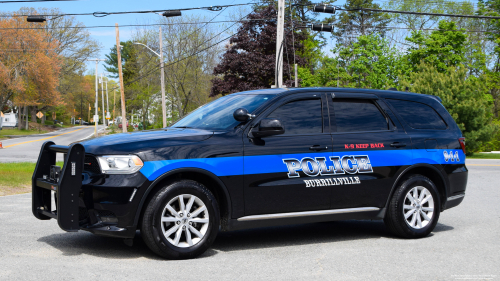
(206,23)
(157,67)
(103,14)
(133,25)
(421,13)
(34,1)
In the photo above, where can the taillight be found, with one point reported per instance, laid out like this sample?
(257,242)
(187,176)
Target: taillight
(462,143)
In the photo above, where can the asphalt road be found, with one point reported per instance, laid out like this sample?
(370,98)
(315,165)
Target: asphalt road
(27,149)
(464,246)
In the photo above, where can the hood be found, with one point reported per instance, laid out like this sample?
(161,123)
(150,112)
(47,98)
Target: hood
(135,142)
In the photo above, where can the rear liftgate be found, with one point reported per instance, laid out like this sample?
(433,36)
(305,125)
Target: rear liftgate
(66,184)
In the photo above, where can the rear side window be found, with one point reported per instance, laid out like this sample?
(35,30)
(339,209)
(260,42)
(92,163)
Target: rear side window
(353,115)
(418,115)
(300,117)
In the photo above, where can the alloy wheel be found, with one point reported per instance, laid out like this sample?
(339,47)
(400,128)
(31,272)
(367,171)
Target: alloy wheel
(418,207)
(184,220)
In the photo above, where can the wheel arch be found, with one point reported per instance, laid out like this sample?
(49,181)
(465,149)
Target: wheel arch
(208,179)
(430,171)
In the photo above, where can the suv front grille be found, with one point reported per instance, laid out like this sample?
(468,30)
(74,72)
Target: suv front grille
(91,165)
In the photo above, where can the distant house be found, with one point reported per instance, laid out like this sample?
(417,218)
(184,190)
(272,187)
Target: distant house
(9,120)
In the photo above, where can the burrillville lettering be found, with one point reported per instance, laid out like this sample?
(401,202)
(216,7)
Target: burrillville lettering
(332,181)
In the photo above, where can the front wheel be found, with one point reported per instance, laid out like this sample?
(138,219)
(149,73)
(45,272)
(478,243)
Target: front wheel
(181,221)
(414,209)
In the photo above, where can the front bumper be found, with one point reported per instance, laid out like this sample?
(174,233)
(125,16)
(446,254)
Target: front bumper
(101,204)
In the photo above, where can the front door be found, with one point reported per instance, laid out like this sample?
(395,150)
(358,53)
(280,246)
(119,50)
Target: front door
(278,168)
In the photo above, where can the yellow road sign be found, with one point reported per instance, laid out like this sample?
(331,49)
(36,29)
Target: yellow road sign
(39,114)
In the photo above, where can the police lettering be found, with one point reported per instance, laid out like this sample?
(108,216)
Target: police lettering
(350,164)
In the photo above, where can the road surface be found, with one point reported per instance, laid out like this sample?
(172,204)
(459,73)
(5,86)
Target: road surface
(27,149)
(465,245)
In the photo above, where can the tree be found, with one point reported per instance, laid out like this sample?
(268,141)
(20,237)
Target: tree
(29,66)
(368,63)
(444,48)
(250,58)
(354,22)
(466,99)
(129,61)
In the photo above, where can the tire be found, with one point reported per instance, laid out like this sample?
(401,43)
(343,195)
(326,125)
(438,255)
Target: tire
(173,232)
(421,217)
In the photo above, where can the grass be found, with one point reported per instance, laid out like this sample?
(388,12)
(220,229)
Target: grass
(15,178)
(484,156)
(15,132)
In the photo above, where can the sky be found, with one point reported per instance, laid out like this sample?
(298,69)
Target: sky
(106,36)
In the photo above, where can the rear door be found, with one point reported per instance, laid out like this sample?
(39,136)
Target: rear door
(369,147)
(275,179)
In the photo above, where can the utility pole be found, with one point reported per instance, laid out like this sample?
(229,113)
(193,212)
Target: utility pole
(107,103)
(102,96)
(114,103)
(96,115)
(279,44)
(120,75)
(81,109)
(163,104)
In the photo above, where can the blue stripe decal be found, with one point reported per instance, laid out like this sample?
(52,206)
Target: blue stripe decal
(231,166)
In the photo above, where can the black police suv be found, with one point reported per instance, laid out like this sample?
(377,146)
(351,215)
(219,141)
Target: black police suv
(262,158)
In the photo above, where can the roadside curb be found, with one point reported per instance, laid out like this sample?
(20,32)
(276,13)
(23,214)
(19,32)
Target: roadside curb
(35,135)
(14,195)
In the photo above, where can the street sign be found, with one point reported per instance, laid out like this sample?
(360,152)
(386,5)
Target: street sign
(108,116)
(39,114)
(96,118)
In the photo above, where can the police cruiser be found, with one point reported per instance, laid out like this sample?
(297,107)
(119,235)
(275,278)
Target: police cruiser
(261,158)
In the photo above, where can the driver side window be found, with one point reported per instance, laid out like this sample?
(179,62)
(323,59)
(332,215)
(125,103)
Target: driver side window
(300,117)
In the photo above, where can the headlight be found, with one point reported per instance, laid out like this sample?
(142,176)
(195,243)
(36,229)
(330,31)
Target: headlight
(120,164)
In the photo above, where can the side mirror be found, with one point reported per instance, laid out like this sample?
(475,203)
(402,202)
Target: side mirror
(269,127)
(241,114)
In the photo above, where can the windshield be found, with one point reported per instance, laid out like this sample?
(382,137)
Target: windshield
(218,115)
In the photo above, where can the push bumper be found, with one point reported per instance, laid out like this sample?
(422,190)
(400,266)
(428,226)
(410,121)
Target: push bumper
(68,193)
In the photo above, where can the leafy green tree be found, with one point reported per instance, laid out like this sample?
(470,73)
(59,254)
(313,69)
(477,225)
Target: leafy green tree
(368,63)
(465,98)
(444,48)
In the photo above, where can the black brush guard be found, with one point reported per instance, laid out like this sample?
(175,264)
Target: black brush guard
(67,187)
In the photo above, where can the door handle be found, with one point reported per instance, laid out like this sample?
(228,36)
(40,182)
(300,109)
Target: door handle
(398,144)
(318,147)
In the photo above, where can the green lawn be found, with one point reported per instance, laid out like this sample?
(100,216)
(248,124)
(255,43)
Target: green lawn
(15,132)
(485,156)
(15,178)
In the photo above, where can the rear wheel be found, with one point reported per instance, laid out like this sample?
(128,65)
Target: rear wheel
(413,211)
(181,221)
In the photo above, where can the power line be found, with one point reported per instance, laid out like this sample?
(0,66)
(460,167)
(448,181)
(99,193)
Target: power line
(33,1)
(103,14)
(206,23)
(133,25)
(157,67)
(419,13)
